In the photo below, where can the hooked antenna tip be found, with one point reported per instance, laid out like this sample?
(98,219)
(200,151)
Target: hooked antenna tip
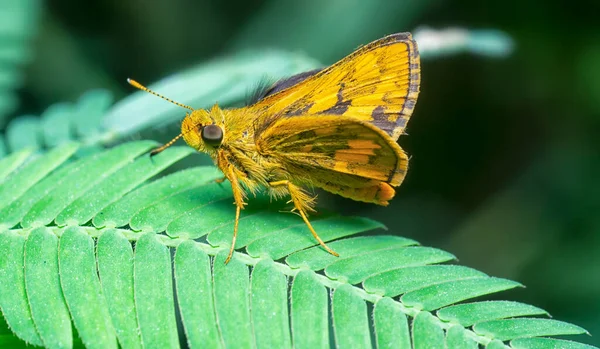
(133,83)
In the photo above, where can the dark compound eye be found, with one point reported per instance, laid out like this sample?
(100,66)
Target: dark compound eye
(212,135)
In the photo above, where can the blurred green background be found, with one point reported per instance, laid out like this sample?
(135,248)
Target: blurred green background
(505,167)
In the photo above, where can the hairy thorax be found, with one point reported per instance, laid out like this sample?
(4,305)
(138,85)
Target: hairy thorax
(254,168)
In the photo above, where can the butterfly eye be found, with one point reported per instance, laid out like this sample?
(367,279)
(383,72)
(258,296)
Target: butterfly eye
(212,135)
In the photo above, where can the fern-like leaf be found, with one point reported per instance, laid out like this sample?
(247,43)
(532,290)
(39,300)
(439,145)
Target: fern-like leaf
(61,123)
(66,255)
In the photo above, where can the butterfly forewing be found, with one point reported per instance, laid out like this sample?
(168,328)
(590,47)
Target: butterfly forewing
(378,83)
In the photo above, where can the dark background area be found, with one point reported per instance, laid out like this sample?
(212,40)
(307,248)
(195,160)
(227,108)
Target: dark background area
(505,169)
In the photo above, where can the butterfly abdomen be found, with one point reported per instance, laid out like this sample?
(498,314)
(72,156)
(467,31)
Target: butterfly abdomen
(379,193)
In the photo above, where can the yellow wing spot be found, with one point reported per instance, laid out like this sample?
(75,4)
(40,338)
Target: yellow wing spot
(363,144)
(325,131)
(360,110)
(357,151)
(324,104)
(341,166)
(351,157)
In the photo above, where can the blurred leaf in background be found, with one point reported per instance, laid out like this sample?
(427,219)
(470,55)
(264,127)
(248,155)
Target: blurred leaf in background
(18,25)
(505,152)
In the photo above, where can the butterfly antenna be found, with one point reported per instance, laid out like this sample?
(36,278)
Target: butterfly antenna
(144,88)
(170,143)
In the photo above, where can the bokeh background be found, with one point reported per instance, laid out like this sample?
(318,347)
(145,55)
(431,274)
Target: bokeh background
(505,167)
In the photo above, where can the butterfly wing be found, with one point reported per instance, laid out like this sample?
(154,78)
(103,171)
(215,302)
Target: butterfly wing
(280,85)
(340,154)
(378,83)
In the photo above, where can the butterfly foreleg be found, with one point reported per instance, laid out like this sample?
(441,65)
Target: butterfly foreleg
(238,197)
(302,203)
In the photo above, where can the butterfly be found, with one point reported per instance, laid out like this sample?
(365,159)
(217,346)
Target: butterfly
(333,128)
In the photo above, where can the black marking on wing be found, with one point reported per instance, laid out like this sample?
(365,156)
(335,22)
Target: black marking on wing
(338,109)
(265,89)
(341,105)
(299,111)
(381,119)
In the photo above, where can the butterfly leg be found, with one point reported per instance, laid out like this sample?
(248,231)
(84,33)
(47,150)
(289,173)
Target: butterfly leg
(238,196)
(302,204)
(235,229)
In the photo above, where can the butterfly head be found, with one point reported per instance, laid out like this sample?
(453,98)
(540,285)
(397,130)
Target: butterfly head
(203,130)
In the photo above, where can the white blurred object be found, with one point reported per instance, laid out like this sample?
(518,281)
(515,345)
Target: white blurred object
(485,42)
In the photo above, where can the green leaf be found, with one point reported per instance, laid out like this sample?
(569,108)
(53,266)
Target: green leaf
(154,293)
(80,180)
(252,222)
(14,213)
(158,216)
(133,174)
(63,123)
(90,111)
(119,213)
(391,325)
(55,124)
(309,300)
(316,259)
(81,288)
(280,244)
(427,332)
(439,295)
(195,295)
(517,328)
(546,343)
(24,133)
(406,279)
(14,302)
(457,337)
(356,269)
(20,181)
(19,23)
(471,313)
(496,344)
(8,164)
(44,293)
(232,301)
(124,293)
(350,319)
(269,306)
(115,267)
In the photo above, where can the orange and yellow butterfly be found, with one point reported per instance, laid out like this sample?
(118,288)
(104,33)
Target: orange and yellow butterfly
(334,128)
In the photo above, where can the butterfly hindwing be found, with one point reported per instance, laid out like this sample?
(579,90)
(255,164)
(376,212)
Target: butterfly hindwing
(337,153)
